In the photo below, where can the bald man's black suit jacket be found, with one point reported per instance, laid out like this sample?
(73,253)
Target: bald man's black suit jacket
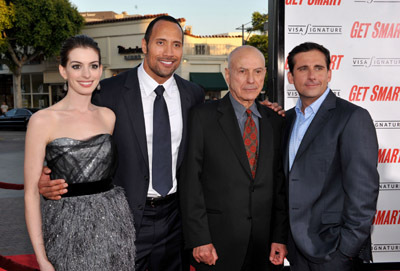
(221,202)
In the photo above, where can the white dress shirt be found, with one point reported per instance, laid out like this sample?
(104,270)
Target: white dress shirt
(172,98)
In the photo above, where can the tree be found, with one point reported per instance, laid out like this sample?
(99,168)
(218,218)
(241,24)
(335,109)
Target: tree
(37,30)
(260,40)
(261,43)
(258,19)
(7,17)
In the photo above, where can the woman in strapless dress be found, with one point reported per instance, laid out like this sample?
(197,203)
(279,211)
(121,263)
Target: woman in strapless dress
(91,227)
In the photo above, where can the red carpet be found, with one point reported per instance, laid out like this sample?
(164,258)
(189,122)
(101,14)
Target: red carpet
(12,186)
(24,263)
(28,263)
(18,263)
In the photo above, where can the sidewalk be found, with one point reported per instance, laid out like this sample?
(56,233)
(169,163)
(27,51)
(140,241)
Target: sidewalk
(14,239)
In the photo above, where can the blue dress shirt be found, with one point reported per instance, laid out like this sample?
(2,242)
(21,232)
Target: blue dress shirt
(302,123)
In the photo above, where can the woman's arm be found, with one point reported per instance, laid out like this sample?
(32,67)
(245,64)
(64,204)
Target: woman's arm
(35,146)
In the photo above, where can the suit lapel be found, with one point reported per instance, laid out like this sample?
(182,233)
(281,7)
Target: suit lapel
(133,103)
(266,140)
(230,127)
(290,119)
(317,123)
(185,105)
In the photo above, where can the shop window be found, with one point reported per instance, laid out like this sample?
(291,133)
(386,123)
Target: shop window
(26,100)
(57,93)
(37,83)
(34,94)
(41,101)
(25,83)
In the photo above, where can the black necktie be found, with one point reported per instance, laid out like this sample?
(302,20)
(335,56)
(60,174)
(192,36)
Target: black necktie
(162,158)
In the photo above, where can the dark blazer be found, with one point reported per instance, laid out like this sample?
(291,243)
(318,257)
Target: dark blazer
(122,95)
(333,184)
(221,203)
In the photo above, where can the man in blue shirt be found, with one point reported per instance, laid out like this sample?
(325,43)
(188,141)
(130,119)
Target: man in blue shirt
(330,164)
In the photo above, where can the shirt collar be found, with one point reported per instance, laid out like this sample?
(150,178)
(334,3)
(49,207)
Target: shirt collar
(149,84)
(314,107)
(240,110)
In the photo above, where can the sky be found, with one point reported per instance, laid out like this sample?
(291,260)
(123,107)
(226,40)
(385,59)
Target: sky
(207,17)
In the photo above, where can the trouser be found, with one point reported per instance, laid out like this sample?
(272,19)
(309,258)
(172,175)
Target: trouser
(298,262)
(159,242)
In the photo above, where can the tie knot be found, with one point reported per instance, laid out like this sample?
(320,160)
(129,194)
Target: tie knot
(159,90)
(248,111)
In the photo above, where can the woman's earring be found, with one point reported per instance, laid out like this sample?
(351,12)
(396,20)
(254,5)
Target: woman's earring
(98,87)
(65,86)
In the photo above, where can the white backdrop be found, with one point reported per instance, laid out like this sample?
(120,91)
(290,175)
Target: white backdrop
(363,37)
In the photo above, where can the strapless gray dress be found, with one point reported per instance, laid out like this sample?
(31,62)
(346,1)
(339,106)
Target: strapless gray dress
(91,228)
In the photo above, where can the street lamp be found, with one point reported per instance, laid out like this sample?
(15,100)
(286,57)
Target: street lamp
(242,28)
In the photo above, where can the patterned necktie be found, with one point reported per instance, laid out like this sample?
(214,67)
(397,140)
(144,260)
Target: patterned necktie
(162,158)
(250,142)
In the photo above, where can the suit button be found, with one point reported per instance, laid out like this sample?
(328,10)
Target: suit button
(140,207)
(249,217)
(146,178)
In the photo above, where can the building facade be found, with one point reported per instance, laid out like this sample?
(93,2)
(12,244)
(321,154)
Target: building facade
(119,38)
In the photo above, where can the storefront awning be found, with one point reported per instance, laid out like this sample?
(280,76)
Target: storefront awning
(209,81)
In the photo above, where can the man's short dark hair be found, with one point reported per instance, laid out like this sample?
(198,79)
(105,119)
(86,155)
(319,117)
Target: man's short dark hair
(161,18)
(306,47)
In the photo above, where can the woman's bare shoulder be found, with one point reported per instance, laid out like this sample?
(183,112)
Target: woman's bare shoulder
(108,117)
(106,113)
(42,116)
(42,123)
